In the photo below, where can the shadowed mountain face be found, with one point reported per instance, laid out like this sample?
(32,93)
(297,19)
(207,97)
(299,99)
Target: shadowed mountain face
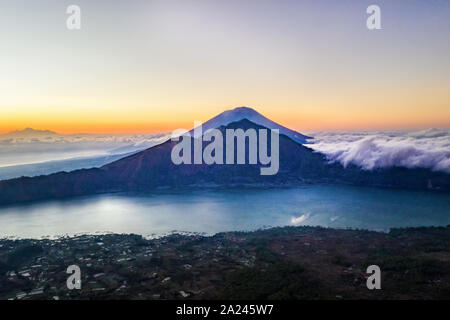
(153,169)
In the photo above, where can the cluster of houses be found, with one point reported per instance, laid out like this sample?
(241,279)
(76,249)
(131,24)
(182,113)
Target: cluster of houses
(118,266)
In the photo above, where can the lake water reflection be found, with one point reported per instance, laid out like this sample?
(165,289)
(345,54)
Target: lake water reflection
(215,211)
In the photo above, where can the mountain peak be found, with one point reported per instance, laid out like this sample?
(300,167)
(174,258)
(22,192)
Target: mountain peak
(29,132)
(241,113)
(243,109)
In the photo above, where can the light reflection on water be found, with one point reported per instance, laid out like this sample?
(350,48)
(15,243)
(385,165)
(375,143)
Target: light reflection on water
(215,211)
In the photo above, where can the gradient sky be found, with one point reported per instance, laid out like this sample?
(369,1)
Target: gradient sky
(149,66)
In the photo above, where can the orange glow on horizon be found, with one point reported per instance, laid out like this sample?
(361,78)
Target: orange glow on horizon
(300,120)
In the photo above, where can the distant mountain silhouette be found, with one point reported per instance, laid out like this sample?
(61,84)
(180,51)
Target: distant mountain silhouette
(241,113)
(153,169)
(29,133)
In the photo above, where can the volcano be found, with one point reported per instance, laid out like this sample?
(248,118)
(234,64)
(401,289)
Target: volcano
(153,169)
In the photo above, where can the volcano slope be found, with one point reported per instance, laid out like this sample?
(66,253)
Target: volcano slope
(153,169)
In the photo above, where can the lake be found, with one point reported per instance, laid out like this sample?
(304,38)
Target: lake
(238,209)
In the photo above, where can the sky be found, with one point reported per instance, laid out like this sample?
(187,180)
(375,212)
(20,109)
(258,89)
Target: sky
(154,66)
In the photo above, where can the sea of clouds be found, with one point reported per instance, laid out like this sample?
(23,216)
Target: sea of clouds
(37,149)
(36,153)
(413,149)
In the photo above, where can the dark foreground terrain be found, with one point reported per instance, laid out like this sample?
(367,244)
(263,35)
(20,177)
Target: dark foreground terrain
(279,263)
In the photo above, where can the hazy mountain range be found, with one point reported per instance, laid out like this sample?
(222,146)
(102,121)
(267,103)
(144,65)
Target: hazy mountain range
(29,133)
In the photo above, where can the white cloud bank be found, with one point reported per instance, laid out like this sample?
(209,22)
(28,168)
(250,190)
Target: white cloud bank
(415,149)
(299,220)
